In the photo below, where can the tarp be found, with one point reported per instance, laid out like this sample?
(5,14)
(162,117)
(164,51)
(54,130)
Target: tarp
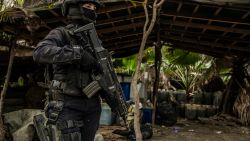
(20,124)
(21,127)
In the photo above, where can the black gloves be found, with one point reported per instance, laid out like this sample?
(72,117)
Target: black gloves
(88,62)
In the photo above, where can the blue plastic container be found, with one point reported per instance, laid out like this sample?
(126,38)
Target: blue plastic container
(147,115)
(126,90)
(106,115)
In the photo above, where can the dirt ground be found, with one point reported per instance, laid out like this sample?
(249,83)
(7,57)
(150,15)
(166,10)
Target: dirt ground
(186,130)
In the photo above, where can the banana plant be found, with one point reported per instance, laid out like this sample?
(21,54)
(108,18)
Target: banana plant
(125,65)
(186,66)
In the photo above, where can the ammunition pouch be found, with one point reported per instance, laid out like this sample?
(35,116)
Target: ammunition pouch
(89,90)
(53,105)
(62,88)
(52,110)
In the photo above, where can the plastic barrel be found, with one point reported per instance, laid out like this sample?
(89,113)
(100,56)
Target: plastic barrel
(191,111)
(201,111)
(106,115)
(147,115)
(126,90)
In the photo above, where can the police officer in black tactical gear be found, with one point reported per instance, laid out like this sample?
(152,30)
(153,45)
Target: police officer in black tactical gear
(71,115)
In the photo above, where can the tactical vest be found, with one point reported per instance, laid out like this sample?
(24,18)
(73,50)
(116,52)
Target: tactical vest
(71,77)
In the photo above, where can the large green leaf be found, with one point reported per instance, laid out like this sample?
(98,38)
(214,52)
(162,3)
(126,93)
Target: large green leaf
(180,57)
(125,65)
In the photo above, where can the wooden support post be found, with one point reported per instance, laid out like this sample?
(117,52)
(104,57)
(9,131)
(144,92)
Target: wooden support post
(157,66)
(4,90)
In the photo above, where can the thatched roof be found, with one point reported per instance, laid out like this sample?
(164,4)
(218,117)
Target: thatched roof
(212,27)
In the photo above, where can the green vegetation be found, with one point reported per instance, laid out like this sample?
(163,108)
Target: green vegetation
(192,69)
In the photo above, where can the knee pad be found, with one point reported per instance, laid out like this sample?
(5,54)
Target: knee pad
(70,130)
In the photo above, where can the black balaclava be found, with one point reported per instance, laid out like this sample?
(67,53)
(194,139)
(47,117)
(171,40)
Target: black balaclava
(80,15)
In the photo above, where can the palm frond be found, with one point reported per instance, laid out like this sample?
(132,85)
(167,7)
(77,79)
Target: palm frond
(242,106)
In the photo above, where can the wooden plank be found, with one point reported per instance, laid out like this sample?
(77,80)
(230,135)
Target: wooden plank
(179,7)
(245,49)
(121,18)
(132,20)
(208,51)
(201,17)
(116,7)
(136,44)
(208,36)
(211,27)
(196,9)
(245,15)
(242,36)
(208,5)
(123,27)
(121,35)
(120,43)
(217,11)
(199,49)
(126,5)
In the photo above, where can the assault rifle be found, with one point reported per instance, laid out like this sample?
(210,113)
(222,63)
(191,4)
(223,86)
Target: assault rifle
(106,80)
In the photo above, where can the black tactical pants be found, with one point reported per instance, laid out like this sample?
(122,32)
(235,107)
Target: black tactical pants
(81,110)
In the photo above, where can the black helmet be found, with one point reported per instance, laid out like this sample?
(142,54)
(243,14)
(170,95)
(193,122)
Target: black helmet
(72,9)
(66,4)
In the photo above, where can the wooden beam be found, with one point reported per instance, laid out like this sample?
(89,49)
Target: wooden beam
(179,7)
(121,35)
(194,12)
(199,49)
(214,15)
(242,36)
(202,26)
(121,18)
(200,17)
(196,9)
(123,27)
(208,5)
(208,36)
(112,23)
(116,7)
(194,25)
(217,11)
(132,20)
(135,44)
(127,5)
(217,45)
(120,43)
(209,51)
(124,35)
(245,15)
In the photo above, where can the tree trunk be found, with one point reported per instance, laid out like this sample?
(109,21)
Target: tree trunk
(158,62)
(3,92)
(146,31)
(234,87)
